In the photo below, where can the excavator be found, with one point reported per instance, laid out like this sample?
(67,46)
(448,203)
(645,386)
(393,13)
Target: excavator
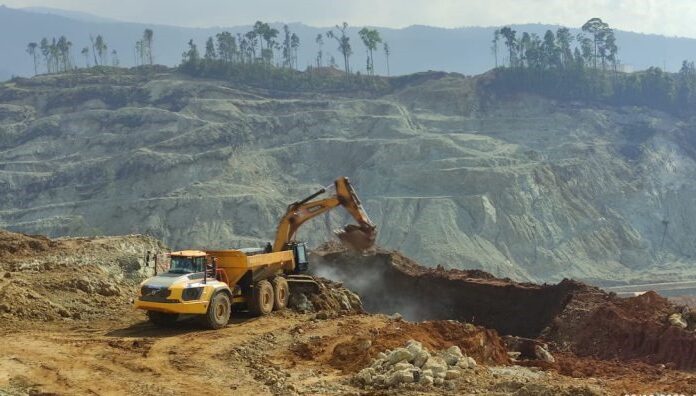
(210,283)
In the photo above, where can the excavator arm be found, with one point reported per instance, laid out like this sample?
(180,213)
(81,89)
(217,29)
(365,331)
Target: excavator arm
(360,237)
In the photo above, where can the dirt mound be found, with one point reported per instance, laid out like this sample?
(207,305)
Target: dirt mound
(605,326)
(389,282)
(570,315)
(14,245)
(70,279)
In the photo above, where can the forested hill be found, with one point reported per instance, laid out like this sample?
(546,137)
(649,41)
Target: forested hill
(414,49)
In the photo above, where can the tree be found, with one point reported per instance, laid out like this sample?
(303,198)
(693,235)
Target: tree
(114,59)
(494,46)
(31,50)
(210,50)
(227,46)
(510,42)
(387,52)
(287,47)
(370,38)
(147,45)
(190,57)
(294,45)
(320,54)
(564,40)
(46,52)
(597,28)
(64,59)
(343,44)
(85,53)
(99,48)
(551,53)
(585,48)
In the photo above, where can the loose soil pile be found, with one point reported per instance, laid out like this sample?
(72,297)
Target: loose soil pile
(570,315)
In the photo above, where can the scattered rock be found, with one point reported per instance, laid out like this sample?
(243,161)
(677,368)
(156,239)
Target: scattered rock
(300,302)
(677,320)
(396,316)
(543,354)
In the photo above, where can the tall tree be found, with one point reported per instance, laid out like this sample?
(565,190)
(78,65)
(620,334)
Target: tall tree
(343,44)
(494,46)
(100,47)
(210,50)
(191,56)
(46,52)
(115,62)
(387,52)
(564,40)
(597,28)
(510,42)
(147,45)
(370,38)
(227,46)
(31,50)
(294,45)
(320,54)
(85,53)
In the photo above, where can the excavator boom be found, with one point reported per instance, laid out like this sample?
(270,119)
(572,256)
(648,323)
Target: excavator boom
(360,237)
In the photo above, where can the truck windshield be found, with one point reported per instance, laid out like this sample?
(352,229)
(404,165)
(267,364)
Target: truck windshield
(186,265)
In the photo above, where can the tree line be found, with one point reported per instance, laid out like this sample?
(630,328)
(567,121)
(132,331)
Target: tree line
(266,46)
(585,66)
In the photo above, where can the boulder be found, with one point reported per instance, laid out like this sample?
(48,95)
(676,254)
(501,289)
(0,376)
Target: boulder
(452,355)
(543,354)
(676,319)
(399,355)
(452,374)
(435,364)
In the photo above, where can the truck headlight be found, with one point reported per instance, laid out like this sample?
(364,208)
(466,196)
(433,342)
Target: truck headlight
(191,293)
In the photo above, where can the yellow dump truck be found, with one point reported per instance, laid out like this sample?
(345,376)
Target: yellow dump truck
(208,283)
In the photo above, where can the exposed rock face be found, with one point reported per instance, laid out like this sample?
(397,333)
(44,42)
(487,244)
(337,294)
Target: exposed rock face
(526,188)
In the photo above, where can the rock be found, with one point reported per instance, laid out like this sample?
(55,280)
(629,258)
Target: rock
(428,373)
(323,315)
(452,355)
(514,355)
(366,376)
(402,376)
(403,366)
(543,354)
(677,320)
(438,381)
(398,355)
(452,374)
(426,380)
(435,364)
(7,275)
(470,362)
(396,316)
(421,358)
(300,302)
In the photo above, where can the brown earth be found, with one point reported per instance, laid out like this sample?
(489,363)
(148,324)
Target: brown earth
(571,315)
(107,348)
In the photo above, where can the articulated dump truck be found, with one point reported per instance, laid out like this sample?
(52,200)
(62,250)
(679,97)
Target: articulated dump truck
(209,283)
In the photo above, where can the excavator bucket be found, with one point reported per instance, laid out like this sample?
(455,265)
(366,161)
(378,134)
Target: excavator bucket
(356,237)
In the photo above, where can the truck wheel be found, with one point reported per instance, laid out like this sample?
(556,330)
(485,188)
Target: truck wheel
(281,292)
(161,319)
(261,298)
(218,311)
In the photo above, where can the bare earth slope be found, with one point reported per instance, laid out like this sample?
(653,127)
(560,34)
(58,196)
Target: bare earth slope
(522,187)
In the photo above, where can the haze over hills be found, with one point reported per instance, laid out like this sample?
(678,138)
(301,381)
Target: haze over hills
(417,48)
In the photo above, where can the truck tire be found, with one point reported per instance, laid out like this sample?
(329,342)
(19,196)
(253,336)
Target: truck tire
(281,293)
(218,311)
(261,298)
(161,319)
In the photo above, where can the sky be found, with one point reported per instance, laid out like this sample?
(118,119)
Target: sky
(667,17)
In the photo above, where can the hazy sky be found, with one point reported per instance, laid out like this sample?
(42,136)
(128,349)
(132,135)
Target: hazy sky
(668,17)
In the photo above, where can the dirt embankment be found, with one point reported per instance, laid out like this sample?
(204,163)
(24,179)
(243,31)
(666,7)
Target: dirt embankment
(572,316)
(70,279)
